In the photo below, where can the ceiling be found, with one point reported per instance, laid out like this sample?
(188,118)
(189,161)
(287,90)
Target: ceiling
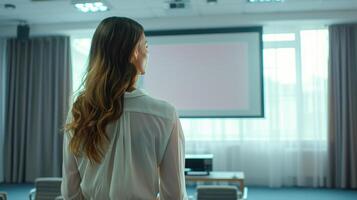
(62,11)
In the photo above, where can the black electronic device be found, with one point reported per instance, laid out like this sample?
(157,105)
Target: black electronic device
(198,164)
(23,32)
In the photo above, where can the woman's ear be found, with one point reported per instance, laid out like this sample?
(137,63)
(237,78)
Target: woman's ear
(134,55)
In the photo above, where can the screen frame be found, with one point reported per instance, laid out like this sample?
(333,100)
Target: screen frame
(222,30)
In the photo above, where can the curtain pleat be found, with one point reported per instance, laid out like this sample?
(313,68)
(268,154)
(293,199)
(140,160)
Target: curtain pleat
(3,78)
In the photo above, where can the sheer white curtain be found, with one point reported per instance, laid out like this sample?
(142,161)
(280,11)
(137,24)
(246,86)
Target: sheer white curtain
(2,104)
(288,147)
(80,51)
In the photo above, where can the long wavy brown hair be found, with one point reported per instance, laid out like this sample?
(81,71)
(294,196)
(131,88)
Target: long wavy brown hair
(110,73)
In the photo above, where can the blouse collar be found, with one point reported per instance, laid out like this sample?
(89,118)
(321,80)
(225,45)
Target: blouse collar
(135,93)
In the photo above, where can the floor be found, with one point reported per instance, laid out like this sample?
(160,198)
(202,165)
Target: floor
(21,191)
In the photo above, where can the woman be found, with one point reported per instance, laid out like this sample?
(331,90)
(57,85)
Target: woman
(121,143)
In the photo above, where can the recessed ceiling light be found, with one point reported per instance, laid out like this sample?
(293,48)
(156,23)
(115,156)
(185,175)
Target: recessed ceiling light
(90,5)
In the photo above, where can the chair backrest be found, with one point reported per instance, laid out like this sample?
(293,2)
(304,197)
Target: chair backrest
(48,188)
(216,192)
(3,196)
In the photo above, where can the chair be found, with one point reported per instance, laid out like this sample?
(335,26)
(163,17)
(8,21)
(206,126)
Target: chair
(3,196)
(216,192)
(46,188)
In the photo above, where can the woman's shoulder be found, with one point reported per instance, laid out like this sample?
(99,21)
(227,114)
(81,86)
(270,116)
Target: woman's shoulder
(161,105)
(152,105)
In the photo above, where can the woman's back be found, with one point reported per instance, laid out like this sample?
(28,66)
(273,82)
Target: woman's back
(146,145)
(119,144)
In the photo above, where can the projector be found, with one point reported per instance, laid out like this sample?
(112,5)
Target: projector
(198,164)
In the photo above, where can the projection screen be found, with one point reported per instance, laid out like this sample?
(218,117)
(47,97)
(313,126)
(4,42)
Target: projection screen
(207,73)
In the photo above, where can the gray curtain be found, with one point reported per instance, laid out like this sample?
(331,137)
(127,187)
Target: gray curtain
(2,104)
(37,101)
(343,106)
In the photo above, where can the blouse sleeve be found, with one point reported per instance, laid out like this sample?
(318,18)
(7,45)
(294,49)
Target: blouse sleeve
(70,187)
(172,177)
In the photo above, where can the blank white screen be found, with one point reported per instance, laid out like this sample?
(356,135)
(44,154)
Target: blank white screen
(209,75)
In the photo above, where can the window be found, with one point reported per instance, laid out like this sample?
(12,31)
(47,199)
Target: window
(80,51)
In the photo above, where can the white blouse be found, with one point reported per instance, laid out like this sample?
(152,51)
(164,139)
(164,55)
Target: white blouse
(144,160)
